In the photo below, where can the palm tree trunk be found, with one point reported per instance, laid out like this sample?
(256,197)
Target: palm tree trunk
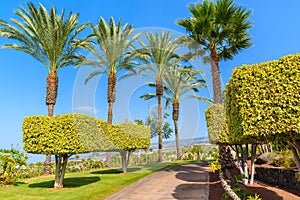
(216,77)
(160,145)
(159,93)
(51,94)
(111,98)
(175,116)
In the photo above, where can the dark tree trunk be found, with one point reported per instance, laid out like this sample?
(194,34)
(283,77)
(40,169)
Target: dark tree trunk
(216,77)
(61,161)
(52,85)
(51,94)
(175,116)
(295,146)
(159,93)
(111,98)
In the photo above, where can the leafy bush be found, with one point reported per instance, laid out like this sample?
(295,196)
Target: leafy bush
(78,133)
(199,152)
(243,193)
(215,119)
(263,101)
(68,134)
(284,159)
(128,136)
(63,134)
(11,161)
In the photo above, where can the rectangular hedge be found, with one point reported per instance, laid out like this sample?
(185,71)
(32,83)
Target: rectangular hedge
(263,100)
(78,133)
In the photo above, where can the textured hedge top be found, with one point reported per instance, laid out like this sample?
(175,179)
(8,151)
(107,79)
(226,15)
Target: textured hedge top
(263,100)
(78,133)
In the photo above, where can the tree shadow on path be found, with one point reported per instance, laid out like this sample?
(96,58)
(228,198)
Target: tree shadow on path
(195,182)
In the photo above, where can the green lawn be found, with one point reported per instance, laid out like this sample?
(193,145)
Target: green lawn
(80,185)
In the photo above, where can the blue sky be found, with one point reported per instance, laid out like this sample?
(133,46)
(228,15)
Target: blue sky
(275,33)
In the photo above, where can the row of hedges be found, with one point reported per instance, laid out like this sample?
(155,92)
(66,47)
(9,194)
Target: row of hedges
(79,133)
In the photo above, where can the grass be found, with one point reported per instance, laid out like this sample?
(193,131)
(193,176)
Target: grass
(80,185)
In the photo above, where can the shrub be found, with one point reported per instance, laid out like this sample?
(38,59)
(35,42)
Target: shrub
(263,101)
(11,161)
(215,118)
(69,134)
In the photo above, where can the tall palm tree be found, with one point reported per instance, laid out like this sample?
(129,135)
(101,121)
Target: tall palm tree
(115,44)
(159,54)
(51,39)
(180,84)
(219,28)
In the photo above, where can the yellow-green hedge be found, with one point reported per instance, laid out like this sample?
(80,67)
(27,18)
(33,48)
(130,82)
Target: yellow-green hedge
(78,133)
(215,117)
(263,101)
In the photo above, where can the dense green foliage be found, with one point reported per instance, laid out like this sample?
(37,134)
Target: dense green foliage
(11,161)
(128,136)
(215,116)
(78,133)
(69,133)
(263,100)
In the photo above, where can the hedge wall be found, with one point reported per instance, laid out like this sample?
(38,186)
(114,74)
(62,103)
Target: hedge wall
(128,136)
(263,100)
(78,133)
(215,117)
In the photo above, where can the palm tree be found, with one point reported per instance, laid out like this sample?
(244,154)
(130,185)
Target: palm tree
(180,83)
(159,55)
(115,43)
(51,39)
(219,28)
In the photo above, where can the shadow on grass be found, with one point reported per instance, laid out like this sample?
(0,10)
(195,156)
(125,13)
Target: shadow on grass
(19,183)
(68,182)
(116,171)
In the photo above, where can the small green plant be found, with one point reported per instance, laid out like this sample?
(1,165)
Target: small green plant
(243,193)
(283,159)
(255,197)
(239,177)
(11,161)
(214,166)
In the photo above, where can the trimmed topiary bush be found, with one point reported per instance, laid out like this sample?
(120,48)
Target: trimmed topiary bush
(69,134)
(215,118)
(263,102)
(63,134)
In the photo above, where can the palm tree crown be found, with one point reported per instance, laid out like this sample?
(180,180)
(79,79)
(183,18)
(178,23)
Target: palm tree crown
(115,43)
(220,28)
(115,46)
(48,37)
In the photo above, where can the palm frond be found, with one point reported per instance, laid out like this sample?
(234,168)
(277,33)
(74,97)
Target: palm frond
(46,36)
(146,97)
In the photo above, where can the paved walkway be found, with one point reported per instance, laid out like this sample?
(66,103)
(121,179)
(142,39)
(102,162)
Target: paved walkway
(181,182)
